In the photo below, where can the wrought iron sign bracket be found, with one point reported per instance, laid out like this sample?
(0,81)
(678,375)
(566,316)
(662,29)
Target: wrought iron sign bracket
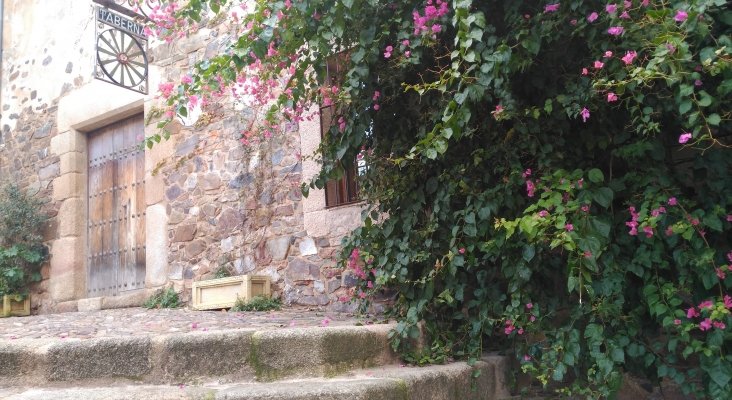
(121,49)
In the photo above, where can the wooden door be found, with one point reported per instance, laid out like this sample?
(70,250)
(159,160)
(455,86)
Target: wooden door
(116,201)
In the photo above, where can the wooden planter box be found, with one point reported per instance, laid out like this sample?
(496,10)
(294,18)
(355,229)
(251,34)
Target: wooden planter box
(222,293)
(15,308)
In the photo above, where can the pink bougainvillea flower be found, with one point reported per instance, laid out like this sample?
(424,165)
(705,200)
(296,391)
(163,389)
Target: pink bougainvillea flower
(648,231)
(644,3)
(698,83)
(705,325)
(587,254)
(706,304)
(543,213)
(585,71)
(509,327)
(684,137)
(616,30)
(186,79)
(569,227)
(550,8)
(624,15)
(461,250)
(530,188)
(387,51)
(436,28)
(598,64)
(681,16)
(370,285)
(498,111)
(629,57)
(719,325)
(526,173)
(691,313)
(669,231)
(627,4)
(729,217)
(611,97)
(592,17)
(720,273)
(341,124)
(677,322)
(527,357)
(611,8)
(407,53)
(405,42)
(585,113)
(672,201)
(532,318)
(608,54)
(727,301)
(376,107)
(529,305)
(585,208)
(376,96)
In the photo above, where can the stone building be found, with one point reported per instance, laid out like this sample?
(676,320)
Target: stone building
(127,221)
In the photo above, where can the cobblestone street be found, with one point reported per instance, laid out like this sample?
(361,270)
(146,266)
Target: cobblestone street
(141,322)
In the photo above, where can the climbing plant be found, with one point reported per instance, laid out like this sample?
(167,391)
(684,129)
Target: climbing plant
(550,177)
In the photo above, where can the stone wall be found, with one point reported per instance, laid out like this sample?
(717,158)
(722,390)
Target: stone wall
(212,203)
(239,207)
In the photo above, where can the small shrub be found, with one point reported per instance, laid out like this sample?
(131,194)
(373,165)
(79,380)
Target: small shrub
(222,272)
(167,298)
(258,303)
(21,242)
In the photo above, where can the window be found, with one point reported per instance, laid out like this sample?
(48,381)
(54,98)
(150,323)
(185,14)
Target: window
(341,191)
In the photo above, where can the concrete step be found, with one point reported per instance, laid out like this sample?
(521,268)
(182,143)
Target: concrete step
(235,355)
(439,382)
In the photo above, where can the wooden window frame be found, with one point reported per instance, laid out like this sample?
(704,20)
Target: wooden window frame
(343,191)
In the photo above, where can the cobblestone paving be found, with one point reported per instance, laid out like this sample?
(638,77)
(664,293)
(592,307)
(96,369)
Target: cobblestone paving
(142,322)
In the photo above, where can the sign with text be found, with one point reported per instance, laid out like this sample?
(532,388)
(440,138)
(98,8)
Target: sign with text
(121,56)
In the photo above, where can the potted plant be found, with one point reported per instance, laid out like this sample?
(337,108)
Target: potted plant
(22,251)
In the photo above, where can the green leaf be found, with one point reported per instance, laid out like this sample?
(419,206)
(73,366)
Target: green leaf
(603,196)
(685,106)
(714,119)
(617,355)
(529,252)
(596,176)
(705,99)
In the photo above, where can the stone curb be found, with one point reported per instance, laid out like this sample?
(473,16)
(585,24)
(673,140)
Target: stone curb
(439,382)
(241,355)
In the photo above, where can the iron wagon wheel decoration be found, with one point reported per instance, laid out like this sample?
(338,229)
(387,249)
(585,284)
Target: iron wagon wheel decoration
(121,58)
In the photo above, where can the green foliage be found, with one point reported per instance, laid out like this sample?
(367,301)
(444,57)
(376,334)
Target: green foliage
(21,243)
(538,180)
(223,271)
(166,298)
(257,303)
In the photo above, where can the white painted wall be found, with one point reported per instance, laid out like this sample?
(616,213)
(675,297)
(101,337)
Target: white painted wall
(57,32)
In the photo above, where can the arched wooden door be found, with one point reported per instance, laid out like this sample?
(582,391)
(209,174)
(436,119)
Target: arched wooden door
(116,213)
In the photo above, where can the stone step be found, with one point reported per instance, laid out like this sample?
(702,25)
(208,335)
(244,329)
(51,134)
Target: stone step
(237,355)
(438,382)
